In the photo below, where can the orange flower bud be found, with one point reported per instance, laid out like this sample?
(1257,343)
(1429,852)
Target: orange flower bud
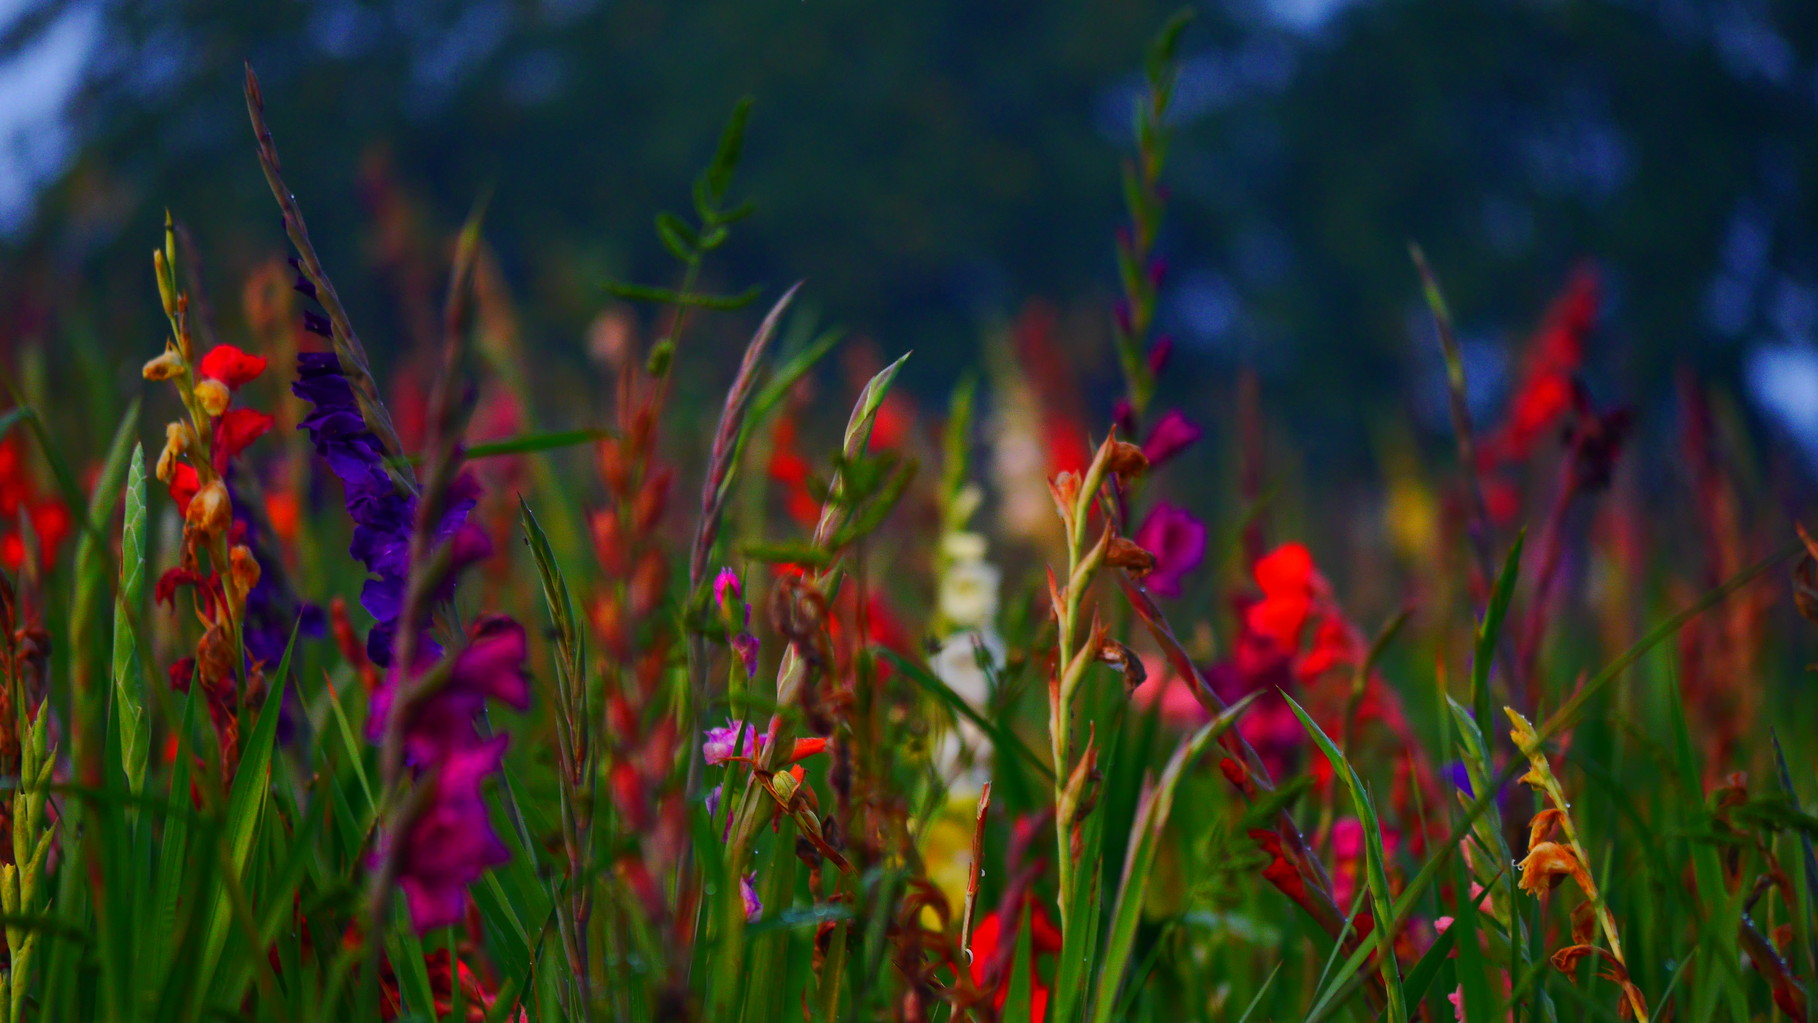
(213,396)
(164,366)
(1547,864)
(243,569)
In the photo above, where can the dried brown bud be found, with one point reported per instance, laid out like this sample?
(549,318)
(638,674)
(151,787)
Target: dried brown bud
(1125,660)
(243,569)
(1126,554)
(164,366)
(1126,459)
(210,510)
(178,438)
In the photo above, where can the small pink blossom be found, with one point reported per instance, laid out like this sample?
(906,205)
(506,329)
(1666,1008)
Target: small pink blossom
(1172,434)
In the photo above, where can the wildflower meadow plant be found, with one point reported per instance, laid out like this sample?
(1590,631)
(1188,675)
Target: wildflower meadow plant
(424,685)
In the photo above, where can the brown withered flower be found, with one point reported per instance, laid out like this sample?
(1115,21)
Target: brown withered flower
(1546,865)
(1127,555)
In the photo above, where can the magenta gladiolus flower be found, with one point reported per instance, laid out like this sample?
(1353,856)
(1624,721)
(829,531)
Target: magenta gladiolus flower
(451,842)
(1173,434)
(730,598)
(1178,541)
(491,666)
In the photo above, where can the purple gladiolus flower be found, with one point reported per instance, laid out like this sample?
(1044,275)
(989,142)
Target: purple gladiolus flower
(748,892)
(450,841)
(1178,541)
(1172,434)
(384,514)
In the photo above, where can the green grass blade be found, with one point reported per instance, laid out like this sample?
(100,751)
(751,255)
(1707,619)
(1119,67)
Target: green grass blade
(1381,899)
(1145,840)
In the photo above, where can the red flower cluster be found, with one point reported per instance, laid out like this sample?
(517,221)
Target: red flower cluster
(994,950)
(234,428)
(1294,637)
(20,502)
(1547,392)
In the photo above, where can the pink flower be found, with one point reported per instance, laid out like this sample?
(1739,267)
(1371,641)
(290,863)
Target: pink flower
(720,743)
(1173,434)
(726,584)
(1170,695)
(1178,541)
(730,598)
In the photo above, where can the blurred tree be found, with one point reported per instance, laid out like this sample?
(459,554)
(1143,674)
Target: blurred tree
(926,166)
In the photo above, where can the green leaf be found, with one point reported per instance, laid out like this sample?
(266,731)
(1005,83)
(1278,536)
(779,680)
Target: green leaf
(710,190)
(1001,738)
(669,296)
(245,813)
(1017,1003)
(1484,651)
(678,237)
(1381,899)
(135,743)
(531,443)
(1139,861)
(92,584)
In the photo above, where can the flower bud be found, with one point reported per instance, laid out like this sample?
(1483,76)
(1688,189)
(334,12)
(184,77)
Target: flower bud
(1545,865)
(213,396)
(177,438)
(210,510)
(243,568)
(785,784)
(1126,459)
(164,366)
(1126,554)
(167,285)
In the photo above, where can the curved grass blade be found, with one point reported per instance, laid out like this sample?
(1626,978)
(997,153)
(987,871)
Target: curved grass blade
(1145,839)
(1381,898)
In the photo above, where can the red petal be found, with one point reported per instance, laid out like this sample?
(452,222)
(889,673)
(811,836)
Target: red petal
(183,486)
(232,366)
(806,748)
(236,429)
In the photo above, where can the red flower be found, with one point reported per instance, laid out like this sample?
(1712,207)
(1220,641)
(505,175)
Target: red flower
(183,486)
(1555,355)
(988,938)
(51,521)
(235,430)
(1289,583)
(232,366)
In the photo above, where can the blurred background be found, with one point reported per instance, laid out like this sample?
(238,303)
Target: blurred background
(936,170)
